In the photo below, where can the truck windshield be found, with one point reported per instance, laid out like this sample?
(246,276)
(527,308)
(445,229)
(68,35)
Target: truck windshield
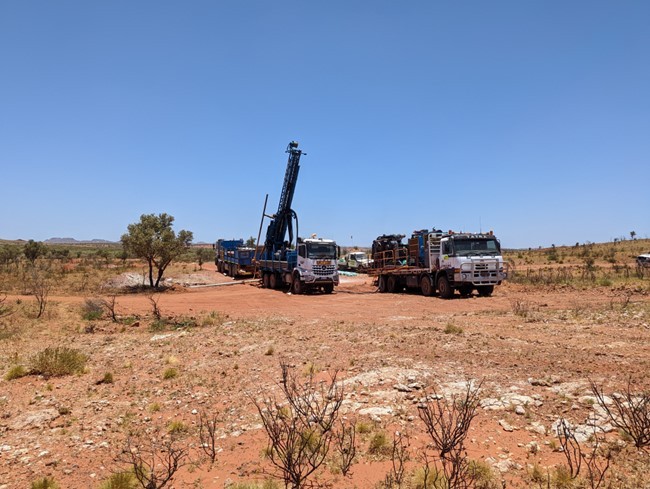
(358,256)
(476,247)
(321,251)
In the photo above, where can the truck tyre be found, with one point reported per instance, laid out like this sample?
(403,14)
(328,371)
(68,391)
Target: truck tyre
(328,288)
(445,289)
(485,291)
(426,286)
(465,290)
(265,280)
(297,285)
(391,284)
(382,284)
(274,281)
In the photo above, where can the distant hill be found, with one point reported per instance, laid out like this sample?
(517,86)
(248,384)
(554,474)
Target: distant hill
(75,241)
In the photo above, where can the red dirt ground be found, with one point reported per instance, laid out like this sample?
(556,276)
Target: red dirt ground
(531,347)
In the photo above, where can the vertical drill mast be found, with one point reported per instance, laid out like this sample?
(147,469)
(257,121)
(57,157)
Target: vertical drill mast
(281,220)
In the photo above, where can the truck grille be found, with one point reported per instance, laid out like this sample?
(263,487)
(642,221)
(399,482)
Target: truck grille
(486,272)
(324,270)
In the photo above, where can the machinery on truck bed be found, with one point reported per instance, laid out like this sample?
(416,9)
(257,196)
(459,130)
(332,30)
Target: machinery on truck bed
(310,264)
(233,258)
(435,261)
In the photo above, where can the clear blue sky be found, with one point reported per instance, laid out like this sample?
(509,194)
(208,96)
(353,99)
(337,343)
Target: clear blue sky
(531,118)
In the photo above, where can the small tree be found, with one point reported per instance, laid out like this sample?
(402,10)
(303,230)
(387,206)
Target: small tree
(202,255)
(154,240)
(33,250)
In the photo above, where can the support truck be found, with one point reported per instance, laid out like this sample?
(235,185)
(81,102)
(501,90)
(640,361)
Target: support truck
(436,261)
(309,264)
(233,258)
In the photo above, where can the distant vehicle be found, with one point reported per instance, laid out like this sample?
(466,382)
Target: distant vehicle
(643,260)
(355,261)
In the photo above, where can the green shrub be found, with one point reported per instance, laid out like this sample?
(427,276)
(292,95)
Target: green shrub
(170,373)
(453,329)
(268,484)
(364,428)
(16,372)
(106,379)
(159,325)
(177,427)
(44,483)
(483,476)
(92,309)
(562,478)
(120,480)
(378,443)
(57,362)
(428,480)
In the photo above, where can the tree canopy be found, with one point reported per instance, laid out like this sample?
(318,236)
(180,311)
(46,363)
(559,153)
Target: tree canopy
(154,240)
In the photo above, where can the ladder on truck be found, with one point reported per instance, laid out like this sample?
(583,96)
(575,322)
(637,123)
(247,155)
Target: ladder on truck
(434,247)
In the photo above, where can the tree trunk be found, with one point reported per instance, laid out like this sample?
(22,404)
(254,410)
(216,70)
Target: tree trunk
(151,273)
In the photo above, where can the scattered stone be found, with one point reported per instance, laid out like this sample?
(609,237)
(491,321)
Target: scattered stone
(402,388)
(34,419)
(537,427)
(540,382)
(506,426)
(520,410)
(160,337)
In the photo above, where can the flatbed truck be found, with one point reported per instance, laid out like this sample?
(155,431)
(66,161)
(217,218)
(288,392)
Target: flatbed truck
(436,261)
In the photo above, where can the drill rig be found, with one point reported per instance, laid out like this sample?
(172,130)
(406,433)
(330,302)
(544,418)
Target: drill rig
(307,264)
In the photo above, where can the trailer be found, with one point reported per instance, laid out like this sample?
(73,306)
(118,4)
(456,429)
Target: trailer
(435,261)
(234,258)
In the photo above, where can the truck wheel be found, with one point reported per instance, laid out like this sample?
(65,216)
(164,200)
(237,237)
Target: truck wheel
(382,284)
(273,280)
(297,286)
(485,291)
(426,286)
(265,280)
(445,289)
(328,288)
(465,290)
(391,284)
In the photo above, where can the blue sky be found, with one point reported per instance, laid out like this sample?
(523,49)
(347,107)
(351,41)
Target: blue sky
(531,118)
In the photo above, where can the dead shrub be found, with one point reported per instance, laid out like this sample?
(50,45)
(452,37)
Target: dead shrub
(300,426)
(154,459)
(447,421)
(596,463)
(629,411)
